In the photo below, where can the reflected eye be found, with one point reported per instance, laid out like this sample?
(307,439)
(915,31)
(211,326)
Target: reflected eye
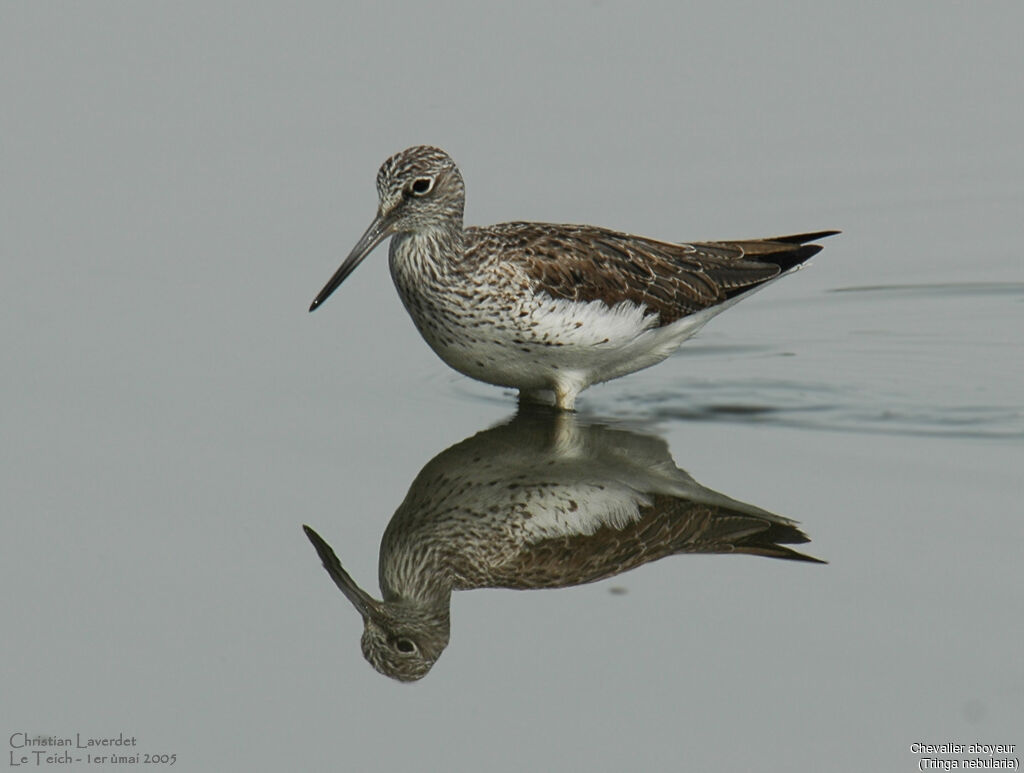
(421,186)
(405,645)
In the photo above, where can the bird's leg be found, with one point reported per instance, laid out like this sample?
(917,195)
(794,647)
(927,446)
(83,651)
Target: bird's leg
(565,397)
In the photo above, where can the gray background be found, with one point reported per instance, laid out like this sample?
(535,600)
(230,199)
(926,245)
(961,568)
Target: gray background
(178,180)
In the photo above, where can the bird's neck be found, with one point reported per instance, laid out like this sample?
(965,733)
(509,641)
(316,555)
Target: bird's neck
(429,252)
(427,589)
(414,568)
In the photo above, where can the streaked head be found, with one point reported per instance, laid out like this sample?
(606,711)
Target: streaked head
(400,639)
(404,641)
(418,190)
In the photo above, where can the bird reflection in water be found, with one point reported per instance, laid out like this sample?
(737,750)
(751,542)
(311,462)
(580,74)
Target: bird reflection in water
(543,501)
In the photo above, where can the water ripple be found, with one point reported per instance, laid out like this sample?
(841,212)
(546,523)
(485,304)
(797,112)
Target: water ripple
(941,289)
(813,407)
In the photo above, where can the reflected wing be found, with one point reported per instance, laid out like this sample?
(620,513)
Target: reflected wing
(668,527)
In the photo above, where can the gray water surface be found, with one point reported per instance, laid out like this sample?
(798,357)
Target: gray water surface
(178,182)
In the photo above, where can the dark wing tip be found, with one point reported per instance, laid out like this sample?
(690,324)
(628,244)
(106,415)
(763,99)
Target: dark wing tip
(791,258)
(803,238)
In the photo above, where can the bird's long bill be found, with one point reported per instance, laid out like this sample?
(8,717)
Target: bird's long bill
(365,604)
(379,229)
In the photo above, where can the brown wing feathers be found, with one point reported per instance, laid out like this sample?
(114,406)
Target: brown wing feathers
(584,263)
(668,527)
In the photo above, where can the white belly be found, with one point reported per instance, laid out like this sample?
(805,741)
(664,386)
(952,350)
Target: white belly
(544,343)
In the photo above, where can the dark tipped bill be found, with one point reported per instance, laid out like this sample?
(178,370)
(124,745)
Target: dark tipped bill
(379,229)
(365,604)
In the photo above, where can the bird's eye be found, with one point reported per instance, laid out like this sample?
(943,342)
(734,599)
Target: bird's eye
(421,186)
(405,645)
